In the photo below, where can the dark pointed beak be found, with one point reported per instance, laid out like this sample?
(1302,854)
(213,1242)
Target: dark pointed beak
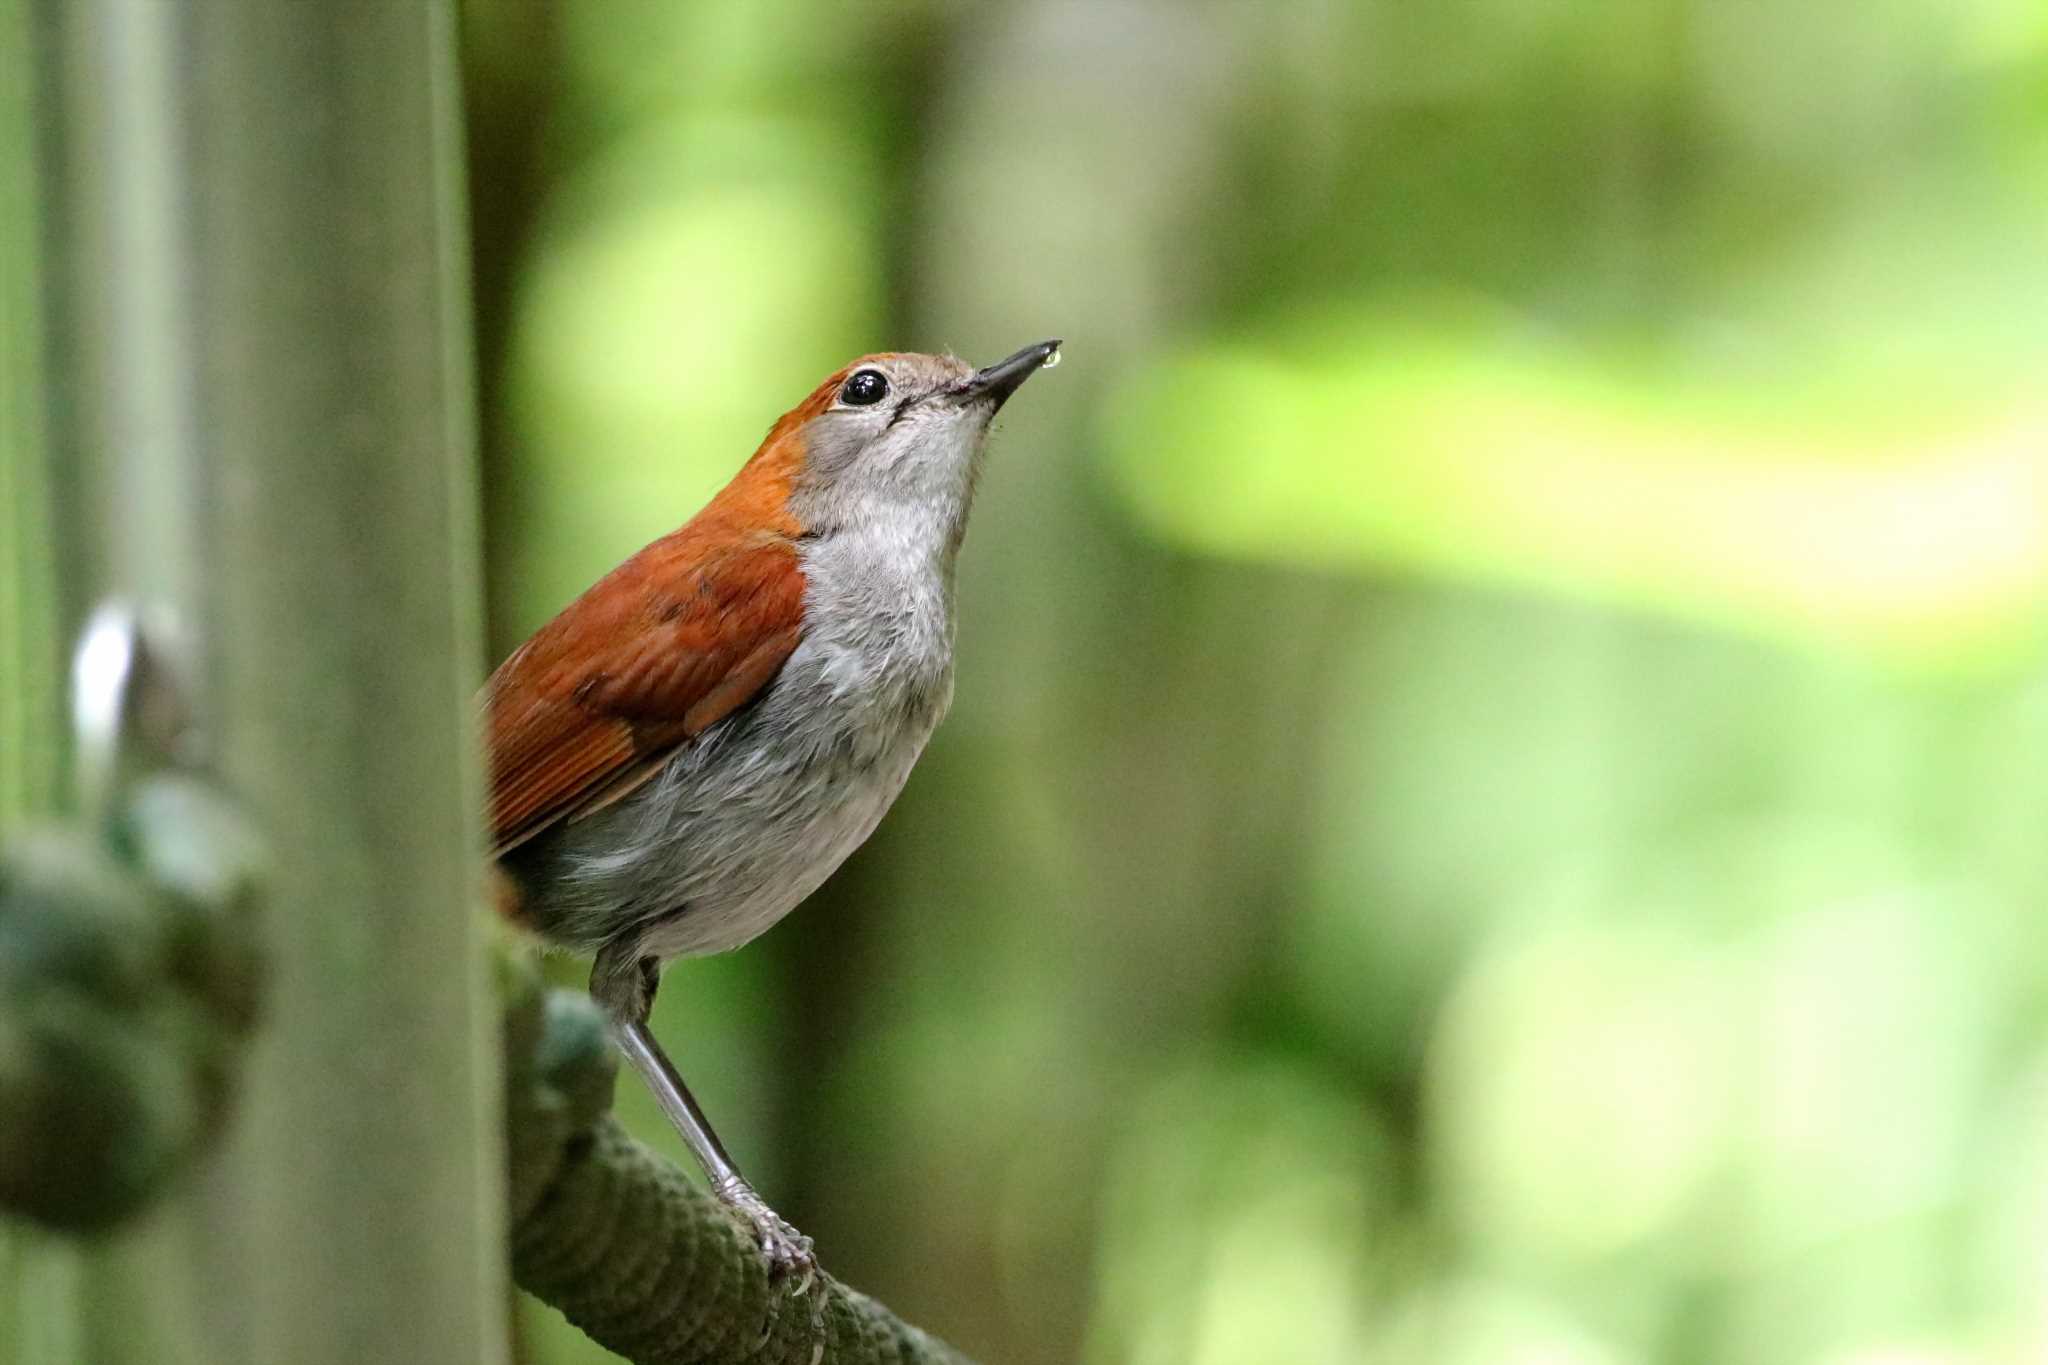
(1003,378)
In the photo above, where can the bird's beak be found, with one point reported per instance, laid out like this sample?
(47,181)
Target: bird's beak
(1000,380)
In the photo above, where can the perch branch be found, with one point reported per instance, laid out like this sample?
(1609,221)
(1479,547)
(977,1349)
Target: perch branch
(648,1265)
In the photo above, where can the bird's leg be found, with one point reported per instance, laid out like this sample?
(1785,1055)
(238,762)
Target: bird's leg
(624,985)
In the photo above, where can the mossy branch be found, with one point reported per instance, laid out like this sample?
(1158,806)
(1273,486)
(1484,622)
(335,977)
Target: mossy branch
(615,1237)
(127,987)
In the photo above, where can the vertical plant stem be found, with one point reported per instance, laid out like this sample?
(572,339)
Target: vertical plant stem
(262,407)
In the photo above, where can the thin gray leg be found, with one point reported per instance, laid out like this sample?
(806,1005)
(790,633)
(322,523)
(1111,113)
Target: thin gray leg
(676,1101)
(788,1251)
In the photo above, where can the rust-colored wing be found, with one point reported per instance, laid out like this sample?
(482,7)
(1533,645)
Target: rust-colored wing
(659,650)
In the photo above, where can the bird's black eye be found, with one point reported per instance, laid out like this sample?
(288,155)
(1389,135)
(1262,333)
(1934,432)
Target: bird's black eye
(864,388)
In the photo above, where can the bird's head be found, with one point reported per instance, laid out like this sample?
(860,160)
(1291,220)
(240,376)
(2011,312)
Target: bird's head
(890,436)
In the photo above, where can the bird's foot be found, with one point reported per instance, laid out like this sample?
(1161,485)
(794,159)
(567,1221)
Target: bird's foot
(787,1251)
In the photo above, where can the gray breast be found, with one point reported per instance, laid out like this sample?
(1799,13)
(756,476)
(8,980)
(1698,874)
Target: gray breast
(744,823)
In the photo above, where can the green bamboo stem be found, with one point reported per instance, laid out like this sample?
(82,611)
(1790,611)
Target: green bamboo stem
(260,398)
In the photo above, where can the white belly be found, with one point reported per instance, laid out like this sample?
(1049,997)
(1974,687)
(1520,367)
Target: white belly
(745,823)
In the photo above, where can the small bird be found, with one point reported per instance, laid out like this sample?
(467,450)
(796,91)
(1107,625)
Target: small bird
(695,744)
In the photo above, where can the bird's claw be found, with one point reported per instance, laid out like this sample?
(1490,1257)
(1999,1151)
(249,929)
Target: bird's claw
(787,1251)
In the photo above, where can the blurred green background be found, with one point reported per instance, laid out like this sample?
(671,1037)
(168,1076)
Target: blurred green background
(1495,805)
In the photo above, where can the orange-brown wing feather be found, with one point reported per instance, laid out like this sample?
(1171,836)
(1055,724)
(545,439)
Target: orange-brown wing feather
(658,651)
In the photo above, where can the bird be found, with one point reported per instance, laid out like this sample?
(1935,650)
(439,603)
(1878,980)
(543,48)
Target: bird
(692,746)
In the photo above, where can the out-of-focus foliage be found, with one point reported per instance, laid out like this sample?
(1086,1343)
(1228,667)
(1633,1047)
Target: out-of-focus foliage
(1870,510)
(1495,806)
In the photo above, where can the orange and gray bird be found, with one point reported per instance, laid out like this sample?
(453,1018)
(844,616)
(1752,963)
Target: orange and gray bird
(693,745)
